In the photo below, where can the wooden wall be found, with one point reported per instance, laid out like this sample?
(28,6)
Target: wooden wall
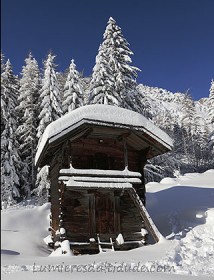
(109,154)
(76,215)
(88,212)
(89,153)
(104,212)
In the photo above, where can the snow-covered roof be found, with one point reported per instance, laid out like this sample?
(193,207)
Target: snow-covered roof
(102,115)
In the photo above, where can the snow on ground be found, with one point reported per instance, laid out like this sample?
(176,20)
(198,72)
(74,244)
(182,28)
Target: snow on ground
(183,210)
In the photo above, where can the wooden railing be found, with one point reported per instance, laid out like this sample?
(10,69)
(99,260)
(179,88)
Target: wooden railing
(100,176)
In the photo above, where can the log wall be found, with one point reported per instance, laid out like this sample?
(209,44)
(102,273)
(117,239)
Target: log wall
(104,212)
(109,154)
(88,212)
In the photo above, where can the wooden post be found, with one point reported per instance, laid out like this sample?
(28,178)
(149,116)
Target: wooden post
(125,152)
(140,189)
(92,221)
(116,214)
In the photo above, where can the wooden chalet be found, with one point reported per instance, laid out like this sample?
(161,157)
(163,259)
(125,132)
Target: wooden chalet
(96,156)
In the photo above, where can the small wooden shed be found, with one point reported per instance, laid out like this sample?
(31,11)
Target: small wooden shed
(96,156)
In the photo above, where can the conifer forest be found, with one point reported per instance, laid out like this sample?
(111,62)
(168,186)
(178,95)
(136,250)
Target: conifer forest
(36,97)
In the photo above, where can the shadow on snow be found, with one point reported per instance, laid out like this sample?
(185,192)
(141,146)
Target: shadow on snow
(179,208)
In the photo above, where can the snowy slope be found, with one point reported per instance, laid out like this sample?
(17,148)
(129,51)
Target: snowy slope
(183,210)
(165,102)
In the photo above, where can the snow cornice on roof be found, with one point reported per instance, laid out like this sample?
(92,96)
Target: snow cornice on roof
(103,115)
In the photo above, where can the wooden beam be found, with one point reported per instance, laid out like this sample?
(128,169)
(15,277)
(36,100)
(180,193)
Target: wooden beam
(150,226)
(125,152)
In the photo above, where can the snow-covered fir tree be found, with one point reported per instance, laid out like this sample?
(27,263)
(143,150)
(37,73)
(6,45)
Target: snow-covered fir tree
(10,160)
(2,88)
(85,82)
(28,113)
(142,104)
(51,110)
(73,92)
(113,79)
(201,146)
(211,103)
(211,145)
(50,97)
(188,125)
(42,185)
(102,83)
(2,63)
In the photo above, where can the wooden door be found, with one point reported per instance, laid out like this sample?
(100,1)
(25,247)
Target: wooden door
(104,212)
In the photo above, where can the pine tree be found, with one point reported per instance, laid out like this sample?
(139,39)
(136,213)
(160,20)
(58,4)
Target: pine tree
(72,93)
(211,145)
(141,103)
(102,83)
(10,159)
(188,128)
(85,83)
(211,120)
(113,79)
(50,100)
(42,185)
(2,89)
(211,103)
(2,63)
(27,111)
(200,140)
(50,103)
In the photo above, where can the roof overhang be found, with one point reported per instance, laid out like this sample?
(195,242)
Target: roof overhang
(87,120)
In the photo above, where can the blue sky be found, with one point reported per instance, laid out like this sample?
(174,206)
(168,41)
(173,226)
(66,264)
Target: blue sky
(172,40)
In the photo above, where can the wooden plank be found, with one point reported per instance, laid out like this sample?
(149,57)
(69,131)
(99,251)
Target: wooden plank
(79,227)
(107,132)
(131,220)
(133,236)
(68,214)
(107,146)
(150,226)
